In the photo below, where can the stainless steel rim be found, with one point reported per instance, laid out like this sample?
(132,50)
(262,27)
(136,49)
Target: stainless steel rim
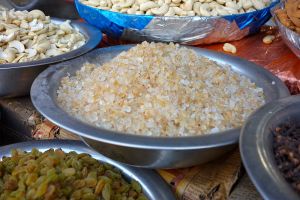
(256,158)
(43,93)
(153,185)
(93,37)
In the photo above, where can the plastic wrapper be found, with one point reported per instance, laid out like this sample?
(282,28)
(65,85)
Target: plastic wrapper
(185,30)
(291,38)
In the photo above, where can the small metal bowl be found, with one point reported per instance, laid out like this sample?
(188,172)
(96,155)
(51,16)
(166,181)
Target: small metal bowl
(291,38)
(257,149)
(16,78)
(56,8)
(154,187)
(145,151)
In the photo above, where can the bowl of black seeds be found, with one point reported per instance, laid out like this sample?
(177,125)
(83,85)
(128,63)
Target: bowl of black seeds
(270,149)
(286,147)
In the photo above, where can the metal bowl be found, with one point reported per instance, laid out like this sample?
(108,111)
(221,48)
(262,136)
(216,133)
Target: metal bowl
(191,30)
(291,38)
(257,151)
(145,151)
(16,78)
(55,8)
(154,187)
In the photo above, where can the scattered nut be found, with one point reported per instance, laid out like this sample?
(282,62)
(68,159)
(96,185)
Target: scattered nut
(268,39)
(229,48)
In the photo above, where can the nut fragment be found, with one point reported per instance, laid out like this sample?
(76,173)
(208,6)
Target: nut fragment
(268,39)
(229,48)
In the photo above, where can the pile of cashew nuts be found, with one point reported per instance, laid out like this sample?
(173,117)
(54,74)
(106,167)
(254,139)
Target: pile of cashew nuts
(28,36)
(179,7)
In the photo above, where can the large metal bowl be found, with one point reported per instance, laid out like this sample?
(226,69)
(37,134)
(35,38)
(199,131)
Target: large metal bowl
(191,30)
(257,151)
(154,187)
(16,78)
(151,152)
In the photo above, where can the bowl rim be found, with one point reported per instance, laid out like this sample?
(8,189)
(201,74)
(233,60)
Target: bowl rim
(41,96)
(272,4)
(92,35)
(147,178)
(262,168)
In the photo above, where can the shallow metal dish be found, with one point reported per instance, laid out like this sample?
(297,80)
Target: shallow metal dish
(151,152)
(16,78)
(154,187)
(257,151)
(291,38)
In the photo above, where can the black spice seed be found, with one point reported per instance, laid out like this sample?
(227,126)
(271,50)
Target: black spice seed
(286,147)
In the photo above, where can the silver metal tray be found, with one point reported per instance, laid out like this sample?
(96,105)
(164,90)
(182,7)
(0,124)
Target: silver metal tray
(154,187)
(257,149)
(16,78)
(145,151)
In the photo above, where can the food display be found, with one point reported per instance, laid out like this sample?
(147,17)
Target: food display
(153,111)
(160,89)
(30,35)
(286,143)
(179,7)
(289,16)
(55,174)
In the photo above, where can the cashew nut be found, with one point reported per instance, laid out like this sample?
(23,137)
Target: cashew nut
(8,54)
(179,11)
(148,5)
(268,39)
(222,11)
(188,6)
(7,38)
(160,11)
(131,11)
(127,4)
(31,52)
(190,13)
(205,10)
(196,8)
(37,14)
(229,48)
(176,1)
(170,12)
(258,4)
(246,4)
(221,2)
(17,45)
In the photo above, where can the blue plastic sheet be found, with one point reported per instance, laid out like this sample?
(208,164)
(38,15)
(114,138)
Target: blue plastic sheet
(186,30)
